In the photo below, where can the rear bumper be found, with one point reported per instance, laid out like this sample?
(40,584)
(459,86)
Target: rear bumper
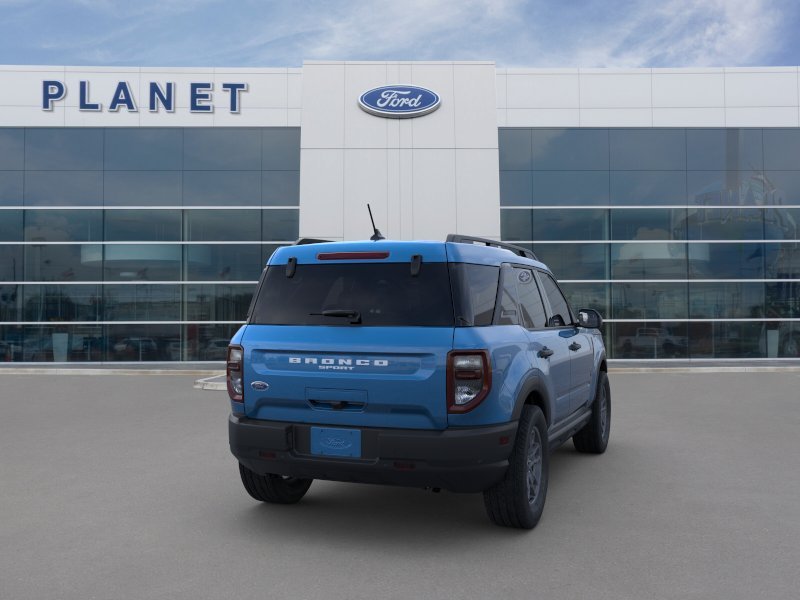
(459,460)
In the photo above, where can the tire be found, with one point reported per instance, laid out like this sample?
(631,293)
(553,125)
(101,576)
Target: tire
(275,489)
(593,438)
(518,500)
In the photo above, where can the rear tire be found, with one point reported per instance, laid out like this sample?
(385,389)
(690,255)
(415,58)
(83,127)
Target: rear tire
(518,500)
(275,489)
(593,438)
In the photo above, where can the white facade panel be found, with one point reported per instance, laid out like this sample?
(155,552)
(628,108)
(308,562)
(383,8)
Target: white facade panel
(322,193)
(773,116)
(754,89)
(434,206)
(543,117)
(688,90)
(31,116)
(475,101)
(252,117)
(545,90)
(615,90)
(689,117)
(362,130)
(476,180)
(17,87)
(616,117)
(323,105)
(365,181)
(263,90)
(438,129)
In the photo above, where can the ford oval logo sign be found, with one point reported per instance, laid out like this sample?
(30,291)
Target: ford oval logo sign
(399,101)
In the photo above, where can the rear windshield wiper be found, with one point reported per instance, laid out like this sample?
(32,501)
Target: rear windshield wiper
(353,315)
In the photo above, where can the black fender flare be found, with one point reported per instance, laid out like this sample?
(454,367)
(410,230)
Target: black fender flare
(534,383)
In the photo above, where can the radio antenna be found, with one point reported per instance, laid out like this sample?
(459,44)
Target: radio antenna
(377,235)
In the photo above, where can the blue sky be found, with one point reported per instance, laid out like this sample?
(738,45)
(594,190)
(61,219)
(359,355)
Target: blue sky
(585,33)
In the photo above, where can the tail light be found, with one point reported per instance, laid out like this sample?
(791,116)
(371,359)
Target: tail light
(234,373)
(469,379)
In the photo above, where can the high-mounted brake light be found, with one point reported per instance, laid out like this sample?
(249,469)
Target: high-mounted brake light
(234,373)
(352,255)
(469,379)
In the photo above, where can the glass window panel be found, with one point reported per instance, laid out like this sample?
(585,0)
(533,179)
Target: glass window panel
(726,261)
(223,262)
(516,188)
(11,263)
(280,188)
(220,188)
(727,340)
(570,149)
(730,188)
(726,223)
(11,188)
(559,308)
(10,225)
(140,343)
(509,309)
(64,149)
(221,149)
(143,188)
(11,302)
(143,149)
(575,261)
(648,260)
(650,339)
(783,299)
(267,251)
(47,303)
(63,188)
(583,188)
(646,300)
(63,262)
(648,149)
(142,262)
(514,148)
(530,300)
(588,295)
(222,225)
(579,224)
(208,342)
(648,224)
(11,341)
(782,187)
(280,224)
(12,148)
(648,187)
(781,148)
(218,302)
(782,261)
(281,149)
(63,343)
(726,300)
(724,149)
(142,302)
(516,225)
(142,225)
(63,225)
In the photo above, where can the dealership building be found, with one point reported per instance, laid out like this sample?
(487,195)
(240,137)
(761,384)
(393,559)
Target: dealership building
(138,205)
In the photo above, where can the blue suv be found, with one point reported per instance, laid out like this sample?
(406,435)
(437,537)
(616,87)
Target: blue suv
(456,365)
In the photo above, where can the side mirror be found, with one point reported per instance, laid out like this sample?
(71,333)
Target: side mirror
(589,318)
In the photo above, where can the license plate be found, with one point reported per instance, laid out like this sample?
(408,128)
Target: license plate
(327,441)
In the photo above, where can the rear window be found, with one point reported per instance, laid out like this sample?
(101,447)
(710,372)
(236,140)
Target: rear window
(383,294)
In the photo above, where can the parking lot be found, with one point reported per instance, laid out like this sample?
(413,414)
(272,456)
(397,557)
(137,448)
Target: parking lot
(122,486)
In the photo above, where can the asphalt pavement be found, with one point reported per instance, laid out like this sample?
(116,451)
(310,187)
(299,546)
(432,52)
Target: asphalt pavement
(122,486)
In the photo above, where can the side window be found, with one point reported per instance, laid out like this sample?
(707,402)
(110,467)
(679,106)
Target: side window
(530,301)
(507,303)
(561,314)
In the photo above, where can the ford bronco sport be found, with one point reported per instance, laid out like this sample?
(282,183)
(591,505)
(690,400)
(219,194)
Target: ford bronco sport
(456,365)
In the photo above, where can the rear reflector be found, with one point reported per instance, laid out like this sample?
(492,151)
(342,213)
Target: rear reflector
(352,255)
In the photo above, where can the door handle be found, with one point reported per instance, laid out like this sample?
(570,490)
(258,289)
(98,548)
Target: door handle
(574,346)
(545,352)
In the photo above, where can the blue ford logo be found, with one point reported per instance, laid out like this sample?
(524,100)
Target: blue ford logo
(259,386)
(399,101)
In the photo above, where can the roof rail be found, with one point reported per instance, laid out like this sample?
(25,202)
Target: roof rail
(468,239)
(304,241)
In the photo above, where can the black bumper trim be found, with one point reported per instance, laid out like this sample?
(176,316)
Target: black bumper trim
(459,460)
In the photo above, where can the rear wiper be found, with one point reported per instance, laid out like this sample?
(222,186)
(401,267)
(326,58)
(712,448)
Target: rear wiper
(353,315)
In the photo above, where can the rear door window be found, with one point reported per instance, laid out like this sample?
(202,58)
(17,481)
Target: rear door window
(474,293)
(507,298)
(530,300)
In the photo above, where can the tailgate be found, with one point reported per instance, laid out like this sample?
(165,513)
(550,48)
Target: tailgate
(352,376)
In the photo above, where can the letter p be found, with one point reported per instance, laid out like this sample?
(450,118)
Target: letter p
(52,91)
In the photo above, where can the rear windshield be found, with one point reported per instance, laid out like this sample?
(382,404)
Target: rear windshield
(381,294)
